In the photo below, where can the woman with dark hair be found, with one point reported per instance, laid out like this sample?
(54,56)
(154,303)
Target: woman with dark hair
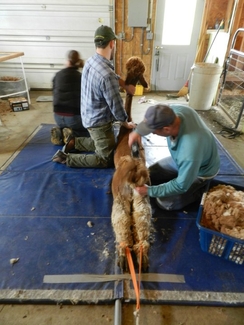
(66,101)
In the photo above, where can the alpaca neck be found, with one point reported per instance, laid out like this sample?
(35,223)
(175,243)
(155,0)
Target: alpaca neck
(128,104)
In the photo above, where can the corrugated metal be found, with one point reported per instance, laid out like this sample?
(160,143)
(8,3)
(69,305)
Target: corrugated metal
(46,32)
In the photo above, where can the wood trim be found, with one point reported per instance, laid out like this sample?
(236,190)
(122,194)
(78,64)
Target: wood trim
(236,22)
(5,56)
(228,15)
(203,33)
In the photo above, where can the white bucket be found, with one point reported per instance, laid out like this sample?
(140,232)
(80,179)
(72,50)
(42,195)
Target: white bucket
(204,84)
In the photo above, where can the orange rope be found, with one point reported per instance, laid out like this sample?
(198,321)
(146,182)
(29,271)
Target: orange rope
(139,275)
(133,275)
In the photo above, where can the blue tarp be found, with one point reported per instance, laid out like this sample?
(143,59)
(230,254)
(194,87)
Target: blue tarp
(44,213)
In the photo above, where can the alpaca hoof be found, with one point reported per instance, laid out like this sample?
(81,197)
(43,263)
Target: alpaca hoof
(122,263)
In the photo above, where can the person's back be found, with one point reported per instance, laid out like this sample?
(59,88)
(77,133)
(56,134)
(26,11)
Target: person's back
(195,143)
(66,100)
(101,102)
(66,91)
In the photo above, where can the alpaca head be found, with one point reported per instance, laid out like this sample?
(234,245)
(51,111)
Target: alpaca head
(135,68)
(135,65)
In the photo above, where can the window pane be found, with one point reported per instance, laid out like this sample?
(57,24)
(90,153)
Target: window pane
(178,22)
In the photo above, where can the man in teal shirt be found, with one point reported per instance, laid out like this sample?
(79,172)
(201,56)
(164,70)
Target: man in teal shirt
(180,179)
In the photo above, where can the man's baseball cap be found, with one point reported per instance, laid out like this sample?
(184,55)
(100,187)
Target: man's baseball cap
(104,34)
(156,117)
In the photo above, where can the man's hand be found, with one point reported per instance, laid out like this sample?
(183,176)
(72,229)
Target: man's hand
(129,125)
(130,89)
(142,190)
(134,137)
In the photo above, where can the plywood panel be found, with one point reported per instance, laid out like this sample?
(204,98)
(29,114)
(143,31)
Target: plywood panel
(135,42)
(217,12)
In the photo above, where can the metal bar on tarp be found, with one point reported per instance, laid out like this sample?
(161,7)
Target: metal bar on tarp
(118,312)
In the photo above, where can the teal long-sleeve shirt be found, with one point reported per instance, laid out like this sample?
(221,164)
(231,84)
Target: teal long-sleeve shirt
(194,151)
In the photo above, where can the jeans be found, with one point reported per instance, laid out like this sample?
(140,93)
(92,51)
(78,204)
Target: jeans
(99,148)
(73,122)
(164,171)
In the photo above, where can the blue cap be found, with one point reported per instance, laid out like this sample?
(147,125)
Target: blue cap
(156,117)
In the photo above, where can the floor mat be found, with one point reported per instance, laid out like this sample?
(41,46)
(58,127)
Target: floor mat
(57,243)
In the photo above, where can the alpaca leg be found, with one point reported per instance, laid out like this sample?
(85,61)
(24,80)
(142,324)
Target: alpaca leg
(121,222)
(144,246)
(141,228)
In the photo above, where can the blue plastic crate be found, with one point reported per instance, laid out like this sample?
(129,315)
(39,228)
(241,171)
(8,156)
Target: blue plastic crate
(218,244)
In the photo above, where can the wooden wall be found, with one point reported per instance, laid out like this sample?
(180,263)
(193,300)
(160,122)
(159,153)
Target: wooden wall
(135,42)
(228,10)
(217,12)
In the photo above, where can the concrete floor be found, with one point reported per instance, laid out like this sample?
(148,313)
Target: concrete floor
(15,128)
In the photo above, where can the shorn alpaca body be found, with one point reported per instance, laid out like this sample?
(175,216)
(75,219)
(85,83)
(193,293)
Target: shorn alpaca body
(131,213)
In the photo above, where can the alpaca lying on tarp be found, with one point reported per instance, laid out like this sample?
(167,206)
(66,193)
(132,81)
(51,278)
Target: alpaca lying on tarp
(131,213)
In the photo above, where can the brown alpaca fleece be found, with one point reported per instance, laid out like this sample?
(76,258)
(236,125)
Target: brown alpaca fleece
(131,213)
(129,172)
(224,211)
(135,68)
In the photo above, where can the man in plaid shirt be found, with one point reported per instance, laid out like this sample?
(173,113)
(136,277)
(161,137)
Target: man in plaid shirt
(101,105)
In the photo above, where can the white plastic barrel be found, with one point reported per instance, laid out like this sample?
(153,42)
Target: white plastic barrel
(204,84)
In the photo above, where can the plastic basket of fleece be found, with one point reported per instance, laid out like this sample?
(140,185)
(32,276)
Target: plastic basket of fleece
(220,221)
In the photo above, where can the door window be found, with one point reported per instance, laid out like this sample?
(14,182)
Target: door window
(178,22)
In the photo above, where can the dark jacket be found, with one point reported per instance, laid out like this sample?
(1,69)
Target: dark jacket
(66,91)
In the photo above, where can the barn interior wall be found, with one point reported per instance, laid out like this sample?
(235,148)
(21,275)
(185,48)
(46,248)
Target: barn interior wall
(46,32)
(135,42)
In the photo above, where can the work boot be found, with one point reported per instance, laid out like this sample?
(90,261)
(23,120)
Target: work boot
(56,136)
(59,157)
(70,144)
(67,132)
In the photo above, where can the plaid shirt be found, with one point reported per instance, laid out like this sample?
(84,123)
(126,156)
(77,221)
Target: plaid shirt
(101,102)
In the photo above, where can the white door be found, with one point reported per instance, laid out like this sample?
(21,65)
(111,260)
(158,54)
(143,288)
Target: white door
(178,25)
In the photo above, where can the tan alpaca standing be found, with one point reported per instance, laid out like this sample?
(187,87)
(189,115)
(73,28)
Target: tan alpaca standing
(131,213)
